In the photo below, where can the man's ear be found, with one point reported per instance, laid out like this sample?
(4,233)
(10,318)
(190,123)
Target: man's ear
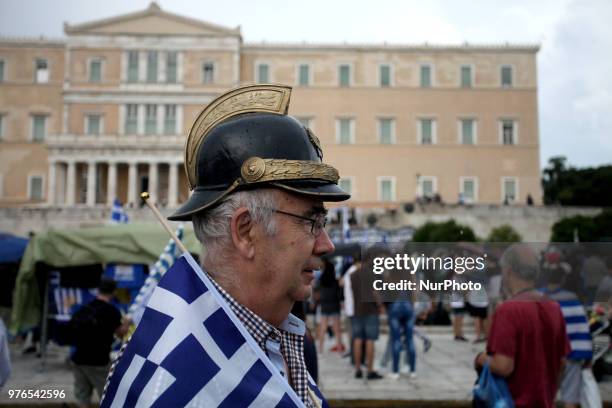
(241,230)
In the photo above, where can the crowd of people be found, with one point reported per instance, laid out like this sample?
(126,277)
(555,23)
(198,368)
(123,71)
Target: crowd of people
(531,315)
(343,294)
(531,318)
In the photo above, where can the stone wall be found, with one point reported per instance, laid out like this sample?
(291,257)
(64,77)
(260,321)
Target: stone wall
(533,223)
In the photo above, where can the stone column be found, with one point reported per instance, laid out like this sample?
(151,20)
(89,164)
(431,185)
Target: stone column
(51,190)
(132,183)
(141,111)
(161,66)
(153,181)
(70,183)
(142,66)
(111,191)
(65,118)
(179,120)
(91,183)
(161,112)
(173,184)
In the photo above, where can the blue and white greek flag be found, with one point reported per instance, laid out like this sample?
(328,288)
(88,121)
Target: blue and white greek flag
(118,214)
(190,350)
(164,262)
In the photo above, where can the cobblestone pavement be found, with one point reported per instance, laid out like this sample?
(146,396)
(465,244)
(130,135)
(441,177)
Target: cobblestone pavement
(443,374)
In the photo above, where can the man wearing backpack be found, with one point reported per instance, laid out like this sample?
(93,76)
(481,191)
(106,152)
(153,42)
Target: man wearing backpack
(93,327)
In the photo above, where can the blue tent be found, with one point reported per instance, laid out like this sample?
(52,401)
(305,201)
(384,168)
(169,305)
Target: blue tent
(11,248)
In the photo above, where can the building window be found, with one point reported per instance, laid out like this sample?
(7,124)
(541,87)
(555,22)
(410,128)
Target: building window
(344,131)
(39,128)
(427,131)
(305,121)
(151,119)
(386,189)
(346,184)
(466,76)
(172,67)
(385,75)
(386,131)
(208,72)
(170,120)
(93,124)
(506,76)
(1,70)
(132,74)
(508,132)
(35,188)
(467,131)
(263,73)
(42,71)
(427,187)
(131,119)
(468,190)
(304,75)
(426,79)
(509,190)
(95,70)
(152,66)
(344,75)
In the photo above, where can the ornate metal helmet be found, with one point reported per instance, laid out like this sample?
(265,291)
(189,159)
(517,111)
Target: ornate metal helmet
(245,140)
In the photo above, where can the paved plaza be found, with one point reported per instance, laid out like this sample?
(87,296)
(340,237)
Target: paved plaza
(445,377)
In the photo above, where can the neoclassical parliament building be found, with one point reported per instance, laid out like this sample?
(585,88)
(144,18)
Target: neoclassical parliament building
(103,113)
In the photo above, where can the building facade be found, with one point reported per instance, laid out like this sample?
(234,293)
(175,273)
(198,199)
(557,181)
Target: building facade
(104,113)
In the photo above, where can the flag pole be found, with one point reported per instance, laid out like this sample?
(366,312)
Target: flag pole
(145,196)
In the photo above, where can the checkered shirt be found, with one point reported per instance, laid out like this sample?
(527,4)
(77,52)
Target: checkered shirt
(292,345)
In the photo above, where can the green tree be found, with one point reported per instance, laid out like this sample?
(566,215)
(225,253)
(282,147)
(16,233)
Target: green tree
(504,233)
(587,229)
(448,231)
(571,186)
(551,176)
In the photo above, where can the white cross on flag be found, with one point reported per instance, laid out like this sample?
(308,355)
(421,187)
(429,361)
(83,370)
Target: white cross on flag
(190,350)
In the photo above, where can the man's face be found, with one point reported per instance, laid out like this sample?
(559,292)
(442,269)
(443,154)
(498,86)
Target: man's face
(286,261)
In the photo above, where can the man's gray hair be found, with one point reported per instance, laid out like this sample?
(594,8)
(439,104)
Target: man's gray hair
(522,260)
(212,227)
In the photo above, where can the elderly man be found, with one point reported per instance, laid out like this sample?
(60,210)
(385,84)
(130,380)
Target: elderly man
(258,186)
(527,342)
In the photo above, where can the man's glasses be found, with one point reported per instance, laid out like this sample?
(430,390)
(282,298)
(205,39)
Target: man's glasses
(317,224)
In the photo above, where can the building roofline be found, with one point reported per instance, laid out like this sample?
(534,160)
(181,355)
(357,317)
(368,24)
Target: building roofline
(32,41)
(153,10)
(273,46)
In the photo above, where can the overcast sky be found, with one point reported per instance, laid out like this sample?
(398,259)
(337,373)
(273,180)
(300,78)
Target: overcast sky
(574,63)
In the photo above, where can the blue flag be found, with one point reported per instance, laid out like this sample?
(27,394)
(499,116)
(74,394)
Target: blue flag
(191,350)
(118,214)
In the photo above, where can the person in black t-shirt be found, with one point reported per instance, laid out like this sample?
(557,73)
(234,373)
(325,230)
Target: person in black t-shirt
(94,326)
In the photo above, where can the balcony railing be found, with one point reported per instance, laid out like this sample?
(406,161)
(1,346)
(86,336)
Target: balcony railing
(175,141)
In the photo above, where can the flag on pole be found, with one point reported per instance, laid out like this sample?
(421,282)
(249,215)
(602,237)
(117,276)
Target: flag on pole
(164,262)
(118,214)
(191,350)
